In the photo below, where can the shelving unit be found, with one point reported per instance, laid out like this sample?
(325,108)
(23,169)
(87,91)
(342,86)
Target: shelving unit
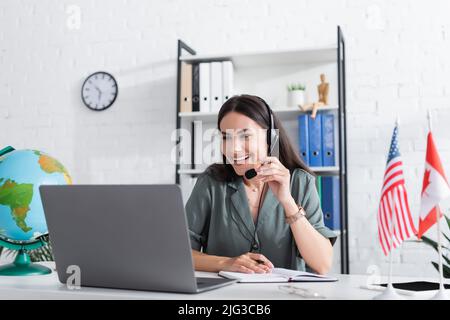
(266,74)
(282,113)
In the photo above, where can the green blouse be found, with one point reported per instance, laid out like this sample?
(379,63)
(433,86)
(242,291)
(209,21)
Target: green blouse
(220,222)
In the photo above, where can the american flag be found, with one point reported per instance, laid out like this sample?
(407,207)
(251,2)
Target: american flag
(394,202)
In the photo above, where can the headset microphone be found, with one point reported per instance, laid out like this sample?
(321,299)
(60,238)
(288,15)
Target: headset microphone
(249,174)
(272,138)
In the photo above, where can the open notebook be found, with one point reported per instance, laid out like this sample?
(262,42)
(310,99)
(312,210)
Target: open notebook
(277,275)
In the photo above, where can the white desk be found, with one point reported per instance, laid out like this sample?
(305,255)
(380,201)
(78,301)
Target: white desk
(48,287)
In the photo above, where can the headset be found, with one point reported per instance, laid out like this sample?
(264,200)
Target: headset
(272,134)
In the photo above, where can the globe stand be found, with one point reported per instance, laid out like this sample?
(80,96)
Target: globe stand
(22,265)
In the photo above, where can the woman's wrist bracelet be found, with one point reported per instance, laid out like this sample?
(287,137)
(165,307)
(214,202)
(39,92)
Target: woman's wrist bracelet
(299,214)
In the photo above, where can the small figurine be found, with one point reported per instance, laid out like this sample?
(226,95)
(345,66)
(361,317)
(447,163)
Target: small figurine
(323,89)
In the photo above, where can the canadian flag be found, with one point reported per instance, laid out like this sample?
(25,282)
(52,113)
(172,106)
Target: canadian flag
(435,188)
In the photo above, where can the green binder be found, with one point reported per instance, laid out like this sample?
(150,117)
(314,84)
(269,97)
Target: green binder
(319,187)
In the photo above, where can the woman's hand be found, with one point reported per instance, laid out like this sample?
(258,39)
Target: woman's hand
(278,178)
(249,263)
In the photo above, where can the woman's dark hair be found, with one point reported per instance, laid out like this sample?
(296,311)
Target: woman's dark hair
(254,108)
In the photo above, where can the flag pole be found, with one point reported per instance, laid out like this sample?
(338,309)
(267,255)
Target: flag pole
(397,122)
(441,294)
(391,257)
(389,293)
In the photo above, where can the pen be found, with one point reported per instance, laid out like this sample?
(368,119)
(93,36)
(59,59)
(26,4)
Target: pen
(262,262)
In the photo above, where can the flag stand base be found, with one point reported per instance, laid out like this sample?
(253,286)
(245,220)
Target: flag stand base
(388,294)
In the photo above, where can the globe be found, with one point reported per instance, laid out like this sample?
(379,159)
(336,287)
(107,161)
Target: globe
(22,220)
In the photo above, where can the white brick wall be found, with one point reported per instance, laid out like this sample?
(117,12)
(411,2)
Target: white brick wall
(398,64)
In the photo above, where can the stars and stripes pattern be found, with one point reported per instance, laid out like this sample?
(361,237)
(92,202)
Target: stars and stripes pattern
(394,202)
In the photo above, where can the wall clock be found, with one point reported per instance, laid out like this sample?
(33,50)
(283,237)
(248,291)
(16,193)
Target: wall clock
(99,91)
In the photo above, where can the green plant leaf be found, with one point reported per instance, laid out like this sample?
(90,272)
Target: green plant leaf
(296,86)
(430,242)
(446,269)
(10,253)
(447,260)
(448,220)
(446,237)
(42,254)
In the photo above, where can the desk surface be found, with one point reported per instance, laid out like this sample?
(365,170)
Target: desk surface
(48,287)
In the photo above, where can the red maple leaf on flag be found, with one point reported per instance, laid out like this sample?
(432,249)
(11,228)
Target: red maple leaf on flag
(426,180)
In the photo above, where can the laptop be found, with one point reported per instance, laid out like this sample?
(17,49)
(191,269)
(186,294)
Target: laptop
(123,237)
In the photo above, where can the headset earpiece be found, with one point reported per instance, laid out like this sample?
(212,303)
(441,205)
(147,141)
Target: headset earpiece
(272,135)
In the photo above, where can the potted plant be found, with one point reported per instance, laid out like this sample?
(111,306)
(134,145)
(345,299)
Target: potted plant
(296,94)
(445,251)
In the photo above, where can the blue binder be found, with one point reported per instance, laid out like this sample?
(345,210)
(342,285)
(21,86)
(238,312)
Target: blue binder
(331,202)
(328,155)
(315,141)
(303,137)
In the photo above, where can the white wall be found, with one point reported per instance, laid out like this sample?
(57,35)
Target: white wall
(398,64)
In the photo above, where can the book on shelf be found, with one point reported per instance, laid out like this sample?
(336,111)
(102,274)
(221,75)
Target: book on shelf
(205,86)
(186,87)
(330,202)
(328,145)
(216,86)
(195,87)
(227,80)
(316,139)
(303,137)
(197,138)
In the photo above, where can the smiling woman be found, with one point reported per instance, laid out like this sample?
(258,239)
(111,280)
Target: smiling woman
(273,219)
